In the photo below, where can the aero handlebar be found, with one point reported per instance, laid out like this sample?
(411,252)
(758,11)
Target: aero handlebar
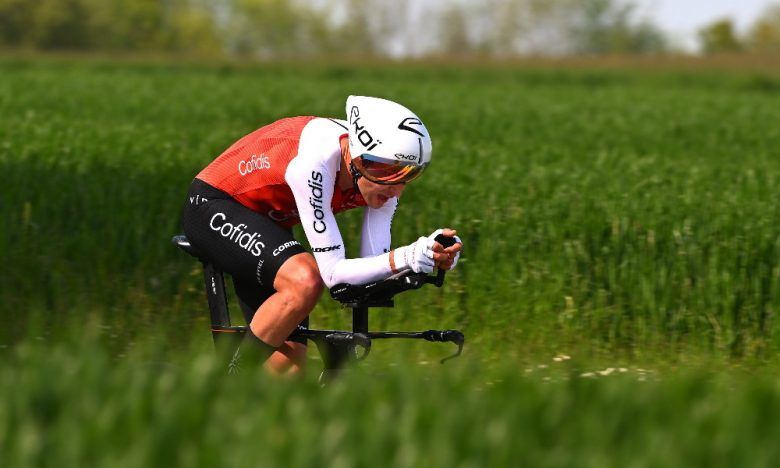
(384,290)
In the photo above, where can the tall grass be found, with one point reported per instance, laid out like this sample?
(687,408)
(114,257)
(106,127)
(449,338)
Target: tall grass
(603,211)
(71,404)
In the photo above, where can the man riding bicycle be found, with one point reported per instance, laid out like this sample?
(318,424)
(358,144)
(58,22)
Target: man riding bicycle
(240,210)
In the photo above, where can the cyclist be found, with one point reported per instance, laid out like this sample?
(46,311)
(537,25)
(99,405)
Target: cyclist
(241,207)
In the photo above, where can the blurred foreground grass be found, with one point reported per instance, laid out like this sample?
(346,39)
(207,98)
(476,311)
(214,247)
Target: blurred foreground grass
(69,404)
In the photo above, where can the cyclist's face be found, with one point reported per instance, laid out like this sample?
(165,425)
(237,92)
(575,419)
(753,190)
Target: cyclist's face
(377,195)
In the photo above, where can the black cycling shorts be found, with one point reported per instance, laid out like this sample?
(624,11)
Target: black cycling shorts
(242,243)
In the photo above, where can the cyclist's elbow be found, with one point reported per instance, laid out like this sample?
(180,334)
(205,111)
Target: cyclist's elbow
(336,273)
(328,277)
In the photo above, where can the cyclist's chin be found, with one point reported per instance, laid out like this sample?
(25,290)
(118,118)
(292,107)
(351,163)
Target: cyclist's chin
(377,201)
(380,200)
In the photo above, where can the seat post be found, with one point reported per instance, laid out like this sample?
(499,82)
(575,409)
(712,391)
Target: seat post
(215,292)
(360,319)
(214,282)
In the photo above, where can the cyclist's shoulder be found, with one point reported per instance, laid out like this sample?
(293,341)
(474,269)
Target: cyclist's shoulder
(320,146)
(320,129)
(286,127)
(307,129)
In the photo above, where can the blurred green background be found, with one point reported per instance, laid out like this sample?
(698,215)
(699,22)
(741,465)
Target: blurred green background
(403,28)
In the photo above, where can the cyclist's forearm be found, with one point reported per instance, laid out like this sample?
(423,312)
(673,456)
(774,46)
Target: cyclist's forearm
(375,232)
(356,270)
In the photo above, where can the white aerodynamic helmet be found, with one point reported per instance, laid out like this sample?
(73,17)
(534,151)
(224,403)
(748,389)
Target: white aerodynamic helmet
(389,144)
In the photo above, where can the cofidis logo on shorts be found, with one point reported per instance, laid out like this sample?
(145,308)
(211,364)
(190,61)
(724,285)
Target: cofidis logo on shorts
(236,233)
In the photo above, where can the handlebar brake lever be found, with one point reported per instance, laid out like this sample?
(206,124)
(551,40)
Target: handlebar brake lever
(452,336)
(457,353)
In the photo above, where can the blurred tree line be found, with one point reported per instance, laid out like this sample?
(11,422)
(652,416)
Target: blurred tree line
(293,28)
(763,36)
(133,25)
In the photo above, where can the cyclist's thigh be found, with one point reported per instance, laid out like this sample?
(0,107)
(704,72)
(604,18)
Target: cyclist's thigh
(245,244)
(250,297)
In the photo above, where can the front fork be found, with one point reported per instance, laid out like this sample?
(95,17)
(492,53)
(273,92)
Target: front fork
(336,347)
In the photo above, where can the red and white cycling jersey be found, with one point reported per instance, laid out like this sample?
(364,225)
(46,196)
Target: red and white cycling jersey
(287,171)
(253,171)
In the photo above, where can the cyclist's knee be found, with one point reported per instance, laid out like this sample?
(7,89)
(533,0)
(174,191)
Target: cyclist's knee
(289,359)
(310,284)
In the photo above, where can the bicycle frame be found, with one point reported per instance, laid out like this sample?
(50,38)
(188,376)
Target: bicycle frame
(337,347)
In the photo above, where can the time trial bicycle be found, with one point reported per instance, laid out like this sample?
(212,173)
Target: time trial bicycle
(337,347)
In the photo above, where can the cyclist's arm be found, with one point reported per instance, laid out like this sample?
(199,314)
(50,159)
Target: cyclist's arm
(375,234)
(312,177)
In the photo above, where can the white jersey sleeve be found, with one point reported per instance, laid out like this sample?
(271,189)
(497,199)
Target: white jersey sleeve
(311,176)
(375,234)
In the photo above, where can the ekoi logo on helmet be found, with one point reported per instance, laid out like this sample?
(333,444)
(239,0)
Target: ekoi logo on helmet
(361,133)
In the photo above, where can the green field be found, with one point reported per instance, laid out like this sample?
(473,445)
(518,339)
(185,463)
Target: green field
(618,291)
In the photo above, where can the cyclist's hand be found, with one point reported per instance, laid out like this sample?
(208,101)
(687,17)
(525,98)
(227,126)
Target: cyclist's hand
(417,256)
(446,258)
